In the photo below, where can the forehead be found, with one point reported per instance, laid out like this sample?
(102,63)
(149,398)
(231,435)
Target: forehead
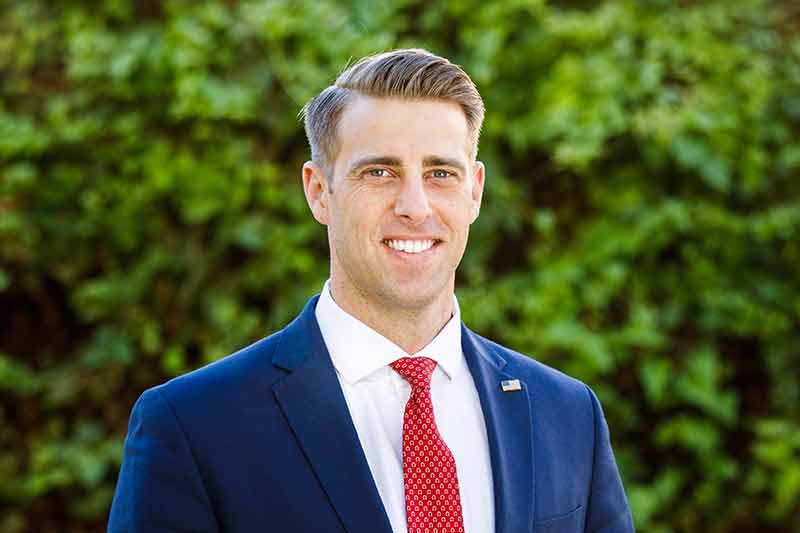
(407,129)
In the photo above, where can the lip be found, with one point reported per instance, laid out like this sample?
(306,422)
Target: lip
(412,238)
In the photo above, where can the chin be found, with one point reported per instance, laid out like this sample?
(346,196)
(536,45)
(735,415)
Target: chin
(415,295)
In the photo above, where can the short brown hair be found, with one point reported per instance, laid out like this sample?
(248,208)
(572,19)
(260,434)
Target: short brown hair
(410,73)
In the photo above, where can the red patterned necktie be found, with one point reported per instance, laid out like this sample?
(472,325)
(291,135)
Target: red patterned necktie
(429,470)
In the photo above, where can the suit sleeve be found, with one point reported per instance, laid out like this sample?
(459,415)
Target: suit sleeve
(159,488)
(608,510)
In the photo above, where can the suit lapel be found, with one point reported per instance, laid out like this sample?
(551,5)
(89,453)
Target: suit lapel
(509,429)
(312,401)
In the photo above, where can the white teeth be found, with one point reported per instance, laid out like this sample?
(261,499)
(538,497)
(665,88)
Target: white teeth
(410,247)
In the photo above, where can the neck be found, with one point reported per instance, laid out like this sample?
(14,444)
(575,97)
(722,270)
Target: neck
(411,328)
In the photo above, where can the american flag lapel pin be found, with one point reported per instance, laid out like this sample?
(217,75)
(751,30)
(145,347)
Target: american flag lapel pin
(510,385)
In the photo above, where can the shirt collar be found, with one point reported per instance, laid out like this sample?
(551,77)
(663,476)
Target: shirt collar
(358,350)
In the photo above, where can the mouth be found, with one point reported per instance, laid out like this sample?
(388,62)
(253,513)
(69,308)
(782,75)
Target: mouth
(411,246)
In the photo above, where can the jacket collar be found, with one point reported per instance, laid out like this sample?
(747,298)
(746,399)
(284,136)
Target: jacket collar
(314,406)
(509,428)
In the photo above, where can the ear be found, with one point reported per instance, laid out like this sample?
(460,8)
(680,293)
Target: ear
(478,180)
(317,190)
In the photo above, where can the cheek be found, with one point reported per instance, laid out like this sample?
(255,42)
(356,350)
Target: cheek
(355,226)
(458,211)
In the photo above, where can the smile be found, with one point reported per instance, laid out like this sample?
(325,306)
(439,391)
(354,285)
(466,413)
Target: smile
(410,247)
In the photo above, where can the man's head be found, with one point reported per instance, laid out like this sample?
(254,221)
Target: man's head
(394,178)
(404,74)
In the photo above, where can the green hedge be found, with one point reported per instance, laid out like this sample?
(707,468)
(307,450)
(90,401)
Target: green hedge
(641,226)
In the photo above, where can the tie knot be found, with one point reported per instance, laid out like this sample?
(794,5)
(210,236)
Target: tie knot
(416,370)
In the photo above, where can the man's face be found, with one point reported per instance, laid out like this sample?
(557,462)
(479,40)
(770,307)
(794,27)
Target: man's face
(403,193)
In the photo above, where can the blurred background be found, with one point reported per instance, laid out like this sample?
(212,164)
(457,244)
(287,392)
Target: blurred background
(640,228)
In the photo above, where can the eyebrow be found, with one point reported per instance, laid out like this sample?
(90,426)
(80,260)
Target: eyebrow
(435,161)
(393,161)
(389,161)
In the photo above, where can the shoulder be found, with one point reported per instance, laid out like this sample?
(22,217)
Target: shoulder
(535,372)
(552,392)
(242,381)
(229,381)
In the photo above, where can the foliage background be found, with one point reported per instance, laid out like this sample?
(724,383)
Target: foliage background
(641,226)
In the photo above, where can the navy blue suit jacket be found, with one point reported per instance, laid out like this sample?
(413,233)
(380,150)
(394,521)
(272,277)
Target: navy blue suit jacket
(263,441)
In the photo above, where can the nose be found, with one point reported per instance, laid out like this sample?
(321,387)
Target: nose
(412,202)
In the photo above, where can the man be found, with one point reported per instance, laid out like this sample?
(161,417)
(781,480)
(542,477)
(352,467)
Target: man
(376,410)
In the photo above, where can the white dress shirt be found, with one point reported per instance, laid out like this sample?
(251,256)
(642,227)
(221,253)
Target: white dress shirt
(376,396)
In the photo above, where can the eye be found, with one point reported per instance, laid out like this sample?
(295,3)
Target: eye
(377,172)
(441,173)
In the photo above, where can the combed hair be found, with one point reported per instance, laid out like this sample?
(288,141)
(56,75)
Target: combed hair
(410,73)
